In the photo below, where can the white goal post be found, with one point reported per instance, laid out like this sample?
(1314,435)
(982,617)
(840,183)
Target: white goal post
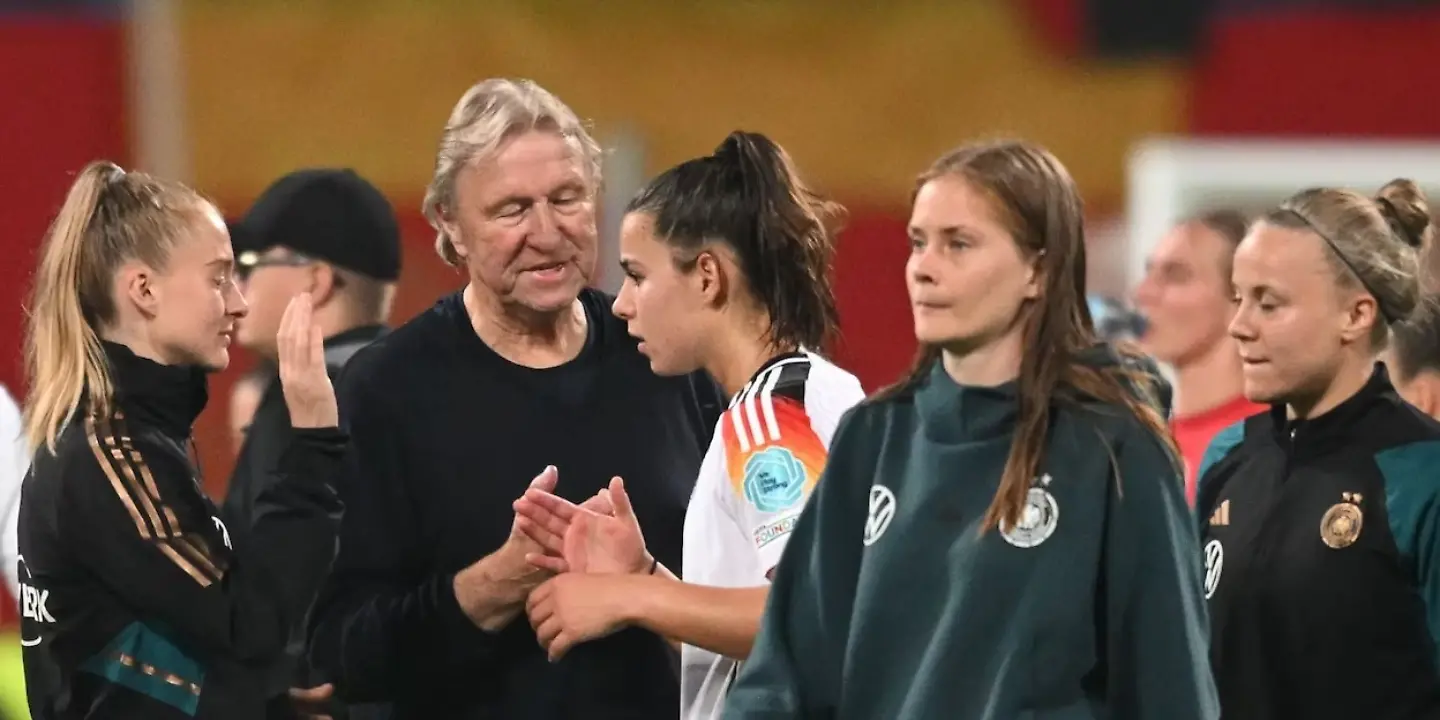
(1171,178)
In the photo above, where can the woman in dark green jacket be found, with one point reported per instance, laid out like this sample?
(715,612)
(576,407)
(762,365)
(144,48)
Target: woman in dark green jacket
(1003,534)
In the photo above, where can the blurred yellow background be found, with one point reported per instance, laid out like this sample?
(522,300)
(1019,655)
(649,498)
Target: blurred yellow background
(863,97)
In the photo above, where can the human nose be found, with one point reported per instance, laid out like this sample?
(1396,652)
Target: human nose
(1145,292)
(624,306)
(544,226)
(235,303)
(920,268)
(1241,327)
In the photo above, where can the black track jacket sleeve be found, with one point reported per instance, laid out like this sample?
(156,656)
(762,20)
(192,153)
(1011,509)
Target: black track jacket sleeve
(153,542)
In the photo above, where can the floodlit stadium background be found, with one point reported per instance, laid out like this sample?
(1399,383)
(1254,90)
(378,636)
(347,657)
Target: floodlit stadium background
(1158,109)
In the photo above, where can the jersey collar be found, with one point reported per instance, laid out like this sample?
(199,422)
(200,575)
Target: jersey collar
(780,359)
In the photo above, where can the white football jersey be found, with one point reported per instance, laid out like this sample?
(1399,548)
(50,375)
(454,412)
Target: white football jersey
(766,455)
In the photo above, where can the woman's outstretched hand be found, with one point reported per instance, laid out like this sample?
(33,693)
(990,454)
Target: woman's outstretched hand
(308,393)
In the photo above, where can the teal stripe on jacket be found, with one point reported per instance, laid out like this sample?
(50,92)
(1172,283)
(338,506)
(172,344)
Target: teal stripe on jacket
(145,661)
(1412,500)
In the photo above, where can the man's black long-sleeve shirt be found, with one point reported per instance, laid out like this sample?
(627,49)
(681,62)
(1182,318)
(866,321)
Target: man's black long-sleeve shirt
(446,435)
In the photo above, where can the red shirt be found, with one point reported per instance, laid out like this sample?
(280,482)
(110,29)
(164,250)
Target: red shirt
(1193,434)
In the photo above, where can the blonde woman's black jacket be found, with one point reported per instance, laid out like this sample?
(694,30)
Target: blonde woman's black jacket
(134,604)
(1321,541)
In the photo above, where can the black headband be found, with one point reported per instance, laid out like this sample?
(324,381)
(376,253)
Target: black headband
(1384,313)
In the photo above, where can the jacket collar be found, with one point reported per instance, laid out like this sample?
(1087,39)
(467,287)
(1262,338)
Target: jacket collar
(955,413)
(1337,423)
(168,396)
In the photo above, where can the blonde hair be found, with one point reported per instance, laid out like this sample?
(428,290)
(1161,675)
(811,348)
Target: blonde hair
(489,114)
(1374,243)
(109,217)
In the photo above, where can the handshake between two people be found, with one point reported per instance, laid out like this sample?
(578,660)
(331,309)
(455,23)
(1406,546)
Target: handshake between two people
(593,554)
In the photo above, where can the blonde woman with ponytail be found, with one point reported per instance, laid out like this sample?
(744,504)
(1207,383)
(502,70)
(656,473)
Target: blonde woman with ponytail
(134,603)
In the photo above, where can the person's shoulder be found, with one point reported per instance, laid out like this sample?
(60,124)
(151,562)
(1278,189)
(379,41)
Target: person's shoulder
(618,355)
(614,334)
(807,383)
(392,355)
(1137,372)
(1406,445)
(108,450)
(1396,422)
(875,416)
(893,401)
(339,351)
(599,304)
(597,299)
(878,411)
(1133,428)
(825,390)
(435,322)
(1229,439)
(830,378)
(1405,439)
(1113,421)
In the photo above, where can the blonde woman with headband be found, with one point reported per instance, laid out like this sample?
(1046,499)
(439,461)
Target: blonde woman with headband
(134,603)
(1320,534)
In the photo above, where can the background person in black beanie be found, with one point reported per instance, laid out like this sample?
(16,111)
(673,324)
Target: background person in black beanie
(330,233)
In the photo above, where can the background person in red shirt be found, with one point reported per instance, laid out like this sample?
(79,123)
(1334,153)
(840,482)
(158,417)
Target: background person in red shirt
(1186,299)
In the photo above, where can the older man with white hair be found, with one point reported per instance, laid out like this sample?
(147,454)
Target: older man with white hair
(523,378)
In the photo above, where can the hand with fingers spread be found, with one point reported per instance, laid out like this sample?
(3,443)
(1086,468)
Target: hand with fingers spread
(584,538)
(546,528)
(308,393)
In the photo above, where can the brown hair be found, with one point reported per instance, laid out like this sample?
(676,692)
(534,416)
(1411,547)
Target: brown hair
(109,217)
(1374,243)
(1037,200)
(1228,223)
(749,196)
(1231,225)
(1415,343)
